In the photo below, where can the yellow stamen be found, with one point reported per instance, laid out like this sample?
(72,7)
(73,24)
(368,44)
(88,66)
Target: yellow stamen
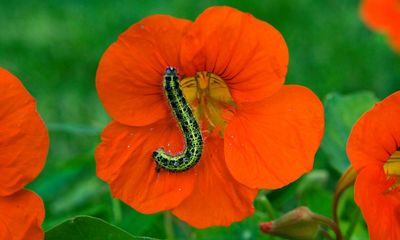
(392,165)
(392,170)
(209,98)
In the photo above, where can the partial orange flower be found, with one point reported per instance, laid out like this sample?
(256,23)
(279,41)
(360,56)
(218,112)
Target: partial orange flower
(257,133)
(24,144)
(383,16)
(373,149)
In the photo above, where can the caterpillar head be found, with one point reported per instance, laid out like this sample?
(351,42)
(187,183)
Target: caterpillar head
(171,71)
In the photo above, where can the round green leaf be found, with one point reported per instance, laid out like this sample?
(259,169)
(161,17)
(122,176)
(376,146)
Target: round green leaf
(88,228)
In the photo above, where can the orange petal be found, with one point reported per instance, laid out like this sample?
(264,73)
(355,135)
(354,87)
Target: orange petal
(272,143)
(379,206)
(217,198)
(394,38)
(249,54)
(124,161)
(376,135)
(24,139)
(381,15)
(22,215)
(130,73)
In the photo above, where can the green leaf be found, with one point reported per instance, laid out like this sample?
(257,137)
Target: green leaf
(341,112)
(88,228)
(141,224)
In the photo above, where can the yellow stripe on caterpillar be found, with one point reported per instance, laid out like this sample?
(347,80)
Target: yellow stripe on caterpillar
(188,124)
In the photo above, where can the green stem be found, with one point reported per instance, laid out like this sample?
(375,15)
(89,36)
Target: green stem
(168,225)
(268,206)
(270,209)
(117,212)
(330,223)
(325,234)
(346,180)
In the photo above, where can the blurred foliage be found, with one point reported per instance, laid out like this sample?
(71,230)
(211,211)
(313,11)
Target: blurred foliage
(341,112)
(54,48)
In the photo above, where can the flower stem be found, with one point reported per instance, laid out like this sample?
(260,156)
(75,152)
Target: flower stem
(168,225)
(330,223)
(346,180)
(116,207)
(270,209)
(325,234)
(268,206)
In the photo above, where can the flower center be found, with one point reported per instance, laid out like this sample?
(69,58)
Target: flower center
(392,170)
(211,102)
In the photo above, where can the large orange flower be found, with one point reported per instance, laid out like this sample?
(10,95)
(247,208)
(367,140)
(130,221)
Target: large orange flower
(258,133)
(23,146)
(383,16)
(373,151)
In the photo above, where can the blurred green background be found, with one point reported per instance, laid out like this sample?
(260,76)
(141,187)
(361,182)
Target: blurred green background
(54,48)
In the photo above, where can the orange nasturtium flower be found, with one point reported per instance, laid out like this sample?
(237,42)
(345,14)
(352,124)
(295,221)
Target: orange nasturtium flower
(24,144)
(373,149)
(383,16)
(257,133)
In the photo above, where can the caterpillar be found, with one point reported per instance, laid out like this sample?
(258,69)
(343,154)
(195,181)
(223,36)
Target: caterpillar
(188,124)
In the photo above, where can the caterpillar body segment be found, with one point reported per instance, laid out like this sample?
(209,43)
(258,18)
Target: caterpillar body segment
(188,124)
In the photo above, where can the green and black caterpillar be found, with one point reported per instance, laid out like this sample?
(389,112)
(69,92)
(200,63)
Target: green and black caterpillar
(189,126)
